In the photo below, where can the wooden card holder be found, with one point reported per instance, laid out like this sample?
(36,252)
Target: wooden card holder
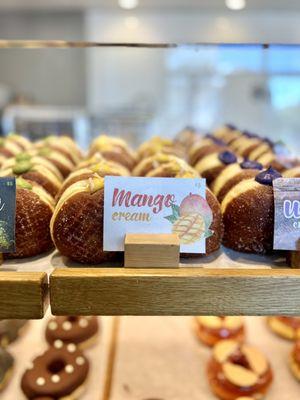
(151,251)
(294,259)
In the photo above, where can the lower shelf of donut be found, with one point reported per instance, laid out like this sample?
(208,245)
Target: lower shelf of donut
(227,283)
(154,358)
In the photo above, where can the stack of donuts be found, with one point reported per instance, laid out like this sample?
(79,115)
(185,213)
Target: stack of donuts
(10,331)
(240,168)
(61,371)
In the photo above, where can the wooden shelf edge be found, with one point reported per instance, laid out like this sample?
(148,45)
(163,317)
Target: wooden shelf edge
(183,291)
(23,295)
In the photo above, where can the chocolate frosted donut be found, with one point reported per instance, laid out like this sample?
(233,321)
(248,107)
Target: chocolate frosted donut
(59,372)
(236,370)
(285,327)
(6,367)
(248,214)
(232,175)
(210,330)
(81,331)
(10,330)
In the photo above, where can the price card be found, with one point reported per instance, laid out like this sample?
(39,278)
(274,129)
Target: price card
(156,205)
(7,214)
(287,214)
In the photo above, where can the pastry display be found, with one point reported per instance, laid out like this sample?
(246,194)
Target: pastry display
(146,165)
(35,172)
(205,147)
(81,238)
(34,208)
(11,330)
(114,149)
(248,214)
(82,331)
(213,164)
(59,373)
(245,145)
(6,367)
(285,327)
(210,329)
(236,370)
(232,175)
(294,361)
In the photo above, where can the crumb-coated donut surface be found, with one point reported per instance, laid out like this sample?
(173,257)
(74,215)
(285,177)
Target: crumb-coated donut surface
(6,365)
(248,216)
(57,373)
(236,369)
(77,228)
(211,329)
(72,329)
(32,225)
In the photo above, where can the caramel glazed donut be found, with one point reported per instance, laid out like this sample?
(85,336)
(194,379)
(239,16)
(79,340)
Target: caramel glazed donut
(237,370)
(82,331)
(59,373)
(6,367)
(210,329)
(286,327)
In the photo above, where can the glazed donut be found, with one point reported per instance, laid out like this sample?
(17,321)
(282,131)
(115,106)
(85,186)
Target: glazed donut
(59,373)
(237,369)
(292,173)
(10,330)
(34,172)
(158,144)
(81,331)
(64,145)
(228,133)
(101,169)
(213,164)
(114,149)
(210,330)
(77,222)
(6,367)
(34,208)
(232,175)
(59,160)
(176,168)
(248,214)
(294,361)
(285,327)
(19,140)
(148,164)
(203,148)
(94,159)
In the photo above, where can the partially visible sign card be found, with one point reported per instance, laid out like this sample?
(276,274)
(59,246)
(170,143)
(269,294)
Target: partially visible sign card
(287,214)
(7,214)
(156,205)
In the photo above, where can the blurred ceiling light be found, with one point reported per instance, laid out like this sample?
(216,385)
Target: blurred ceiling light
(128,4)
(132,22)
(235,4)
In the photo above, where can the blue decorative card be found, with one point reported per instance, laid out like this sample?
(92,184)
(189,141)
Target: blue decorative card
(7,214)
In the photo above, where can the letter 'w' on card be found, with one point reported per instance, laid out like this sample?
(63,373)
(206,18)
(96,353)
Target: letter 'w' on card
(140,205)
(7,214)
(287,214)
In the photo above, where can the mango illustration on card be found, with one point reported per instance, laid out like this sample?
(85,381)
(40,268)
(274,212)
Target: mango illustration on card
(156,205)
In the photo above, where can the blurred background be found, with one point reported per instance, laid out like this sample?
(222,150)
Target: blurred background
(140,92)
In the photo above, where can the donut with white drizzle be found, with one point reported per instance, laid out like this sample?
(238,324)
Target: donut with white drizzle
(59,372)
